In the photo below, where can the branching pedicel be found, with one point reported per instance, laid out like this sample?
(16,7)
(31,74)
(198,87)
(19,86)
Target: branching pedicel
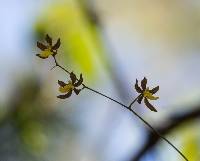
(73,85)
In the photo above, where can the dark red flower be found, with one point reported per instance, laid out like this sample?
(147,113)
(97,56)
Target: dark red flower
(48,49)
(146,94)
(68,88)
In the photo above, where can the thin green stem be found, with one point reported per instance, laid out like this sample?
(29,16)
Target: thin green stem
(134,101)
(58,65)
(144,121)
(128,108)
(97,92)
(157,133)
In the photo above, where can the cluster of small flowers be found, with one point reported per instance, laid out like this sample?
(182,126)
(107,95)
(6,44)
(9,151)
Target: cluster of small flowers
(50,49)
(73,85)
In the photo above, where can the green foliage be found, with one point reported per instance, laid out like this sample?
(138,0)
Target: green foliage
(81,45)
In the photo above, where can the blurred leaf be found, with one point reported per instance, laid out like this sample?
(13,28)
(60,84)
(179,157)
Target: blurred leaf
(34,137)
(191,145)
(79,38)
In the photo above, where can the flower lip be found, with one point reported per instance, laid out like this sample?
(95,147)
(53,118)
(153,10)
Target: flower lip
(68,87)
(147,94)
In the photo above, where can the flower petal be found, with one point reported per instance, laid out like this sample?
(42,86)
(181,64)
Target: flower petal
(41,46)
(137,88)
(140,98)
(73,77)
(77,91)
(80,81)
(149,105)
(154,90)
(57,45)
(61,83)
(48,39)
(144,83)
(65,96)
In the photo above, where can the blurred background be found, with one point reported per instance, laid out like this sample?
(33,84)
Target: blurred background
(112,43)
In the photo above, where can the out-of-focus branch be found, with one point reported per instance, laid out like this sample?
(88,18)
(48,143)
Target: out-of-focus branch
(154,131)
(176,121)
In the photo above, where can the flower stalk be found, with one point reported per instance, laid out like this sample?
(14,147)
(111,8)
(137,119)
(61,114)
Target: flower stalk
(74,84)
